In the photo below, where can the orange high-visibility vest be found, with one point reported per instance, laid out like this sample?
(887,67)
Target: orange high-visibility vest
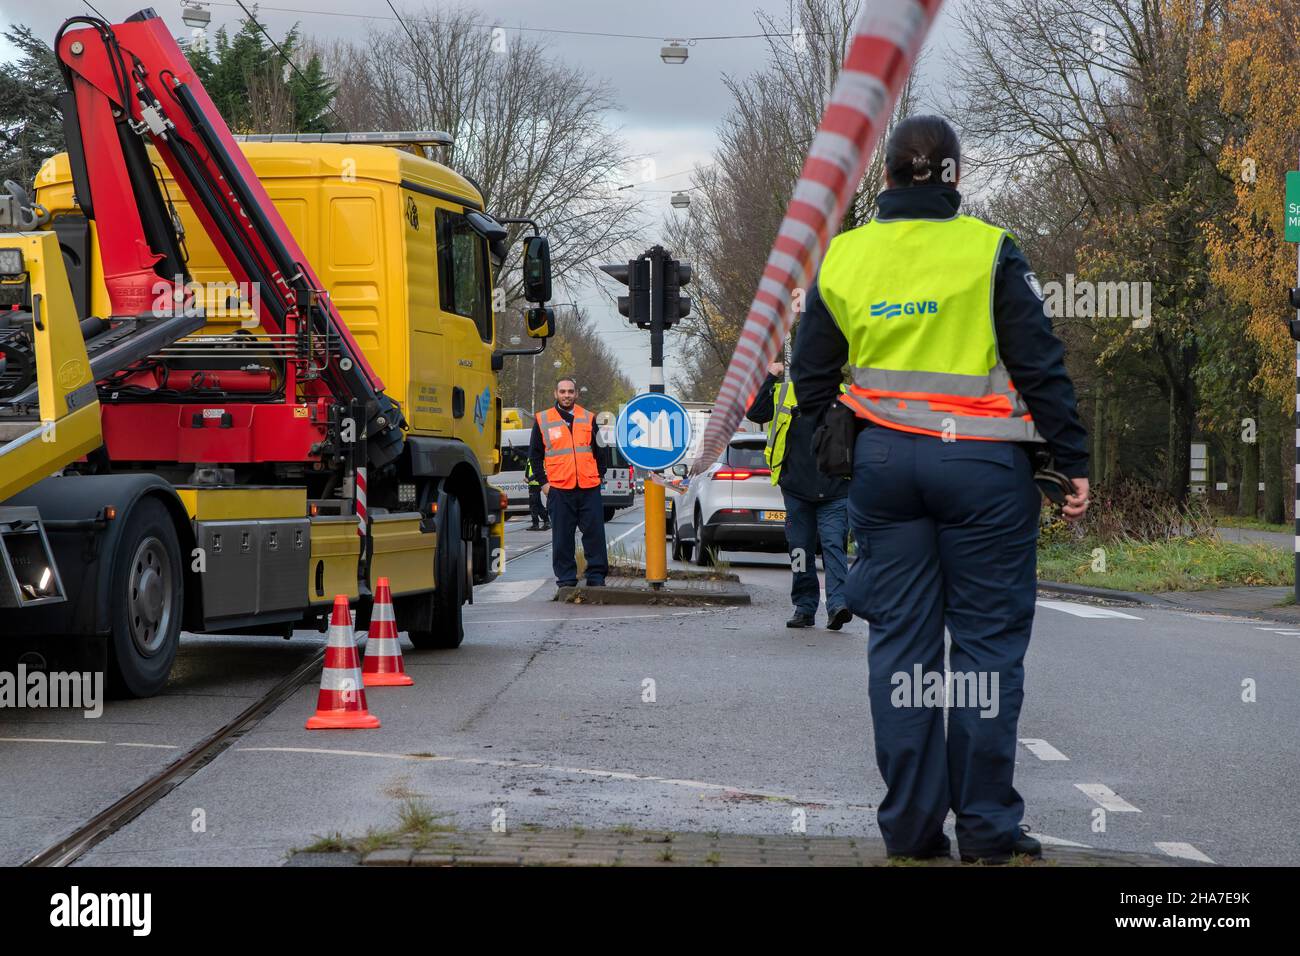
(570,460)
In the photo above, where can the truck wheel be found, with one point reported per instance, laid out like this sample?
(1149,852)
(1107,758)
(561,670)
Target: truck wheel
(609,513)
(147,597)
(451,577)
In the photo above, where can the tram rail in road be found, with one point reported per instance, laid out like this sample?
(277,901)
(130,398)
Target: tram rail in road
(122,811)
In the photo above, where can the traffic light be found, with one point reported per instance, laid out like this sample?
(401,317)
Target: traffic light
(675,305)
(636,276)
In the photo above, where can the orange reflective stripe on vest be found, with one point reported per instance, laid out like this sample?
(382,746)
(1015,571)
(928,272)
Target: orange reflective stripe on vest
(570,458)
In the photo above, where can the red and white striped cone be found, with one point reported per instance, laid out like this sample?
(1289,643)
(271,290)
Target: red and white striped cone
(342,701)
(383,665)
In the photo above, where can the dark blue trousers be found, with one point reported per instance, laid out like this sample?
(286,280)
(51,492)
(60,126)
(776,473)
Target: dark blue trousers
(577,508)
(805,522)
(948,535)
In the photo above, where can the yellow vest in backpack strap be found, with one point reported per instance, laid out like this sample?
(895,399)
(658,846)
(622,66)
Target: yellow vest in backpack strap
(914,299)
(783,403)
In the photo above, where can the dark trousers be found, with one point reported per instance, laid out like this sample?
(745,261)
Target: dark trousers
(947,533)
(577,508)
(535,510)
(806,522)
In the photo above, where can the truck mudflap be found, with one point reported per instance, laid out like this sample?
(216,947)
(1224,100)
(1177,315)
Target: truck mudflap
(84,516)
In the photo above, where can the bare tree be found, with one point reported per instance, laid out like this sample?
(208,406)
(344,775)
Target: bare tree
(738,200)
(529,130)
(1097,92)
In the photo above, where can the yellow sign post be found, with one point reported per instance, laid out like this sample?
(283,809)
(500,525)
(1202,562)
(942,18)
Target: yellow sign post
(656,561)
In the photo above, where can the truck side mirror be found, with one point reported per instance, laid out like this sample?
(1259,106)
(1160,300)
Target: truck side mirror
(537,271)
(540,322)
(486,226)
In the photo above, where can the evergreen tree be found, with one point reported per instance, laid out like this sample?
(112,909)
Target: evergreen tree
(31,124)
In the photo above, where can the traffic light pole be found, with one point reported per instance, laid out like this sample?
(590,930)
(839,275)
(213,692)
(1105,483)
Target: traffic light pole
(656,560)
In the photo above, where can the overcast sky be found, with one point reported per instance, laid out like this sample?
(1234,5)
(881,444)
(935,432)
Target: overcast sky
(667,113)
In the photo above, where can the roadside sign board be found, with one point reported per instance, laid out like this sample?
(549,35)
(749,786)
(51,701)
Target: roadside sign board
(1292,230)
(653,431)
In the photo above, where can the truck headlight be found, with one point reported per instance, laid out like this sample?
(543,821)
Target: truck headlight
(11,263)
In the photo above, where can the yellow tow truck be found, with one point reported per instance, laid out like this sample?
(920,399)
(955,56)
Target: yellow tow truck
(308,403)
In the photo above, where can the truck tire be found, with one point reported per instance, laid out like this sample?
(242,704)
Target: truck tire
(609,513)
(147,601)
(451,576)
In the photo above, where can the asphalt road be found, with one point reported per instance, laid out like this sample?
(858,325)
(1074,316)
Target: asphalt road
(682,718)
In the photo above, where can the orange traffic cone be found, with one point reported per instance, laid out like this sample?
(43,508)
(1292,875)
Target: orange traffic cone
(342,701)
(383,666)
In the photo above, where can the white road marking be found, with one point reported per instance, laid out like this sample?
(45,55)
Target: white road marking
(68,740)
(1107,798)
(580,620)
(505,592)
(1042,749)
(1284,631)
(1183,851)
(629,531)
(1085,610)
(1046,840)
(47,740)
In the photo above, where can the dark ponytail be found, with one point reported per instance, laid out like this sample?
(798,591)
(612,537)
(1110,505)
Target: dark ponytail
(917,150)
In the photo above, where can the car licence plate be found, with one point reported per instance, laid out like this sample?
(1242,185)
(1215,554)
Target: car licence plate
(773,515)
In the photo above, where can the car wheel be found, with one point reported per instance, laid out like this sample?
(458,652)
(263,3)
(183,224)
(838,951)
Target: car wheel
(148,597)
(703,551)
(609,513)
(670,524)
(681,549)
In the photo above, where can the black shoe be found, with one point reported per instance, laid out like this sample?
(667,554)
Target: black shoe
(546,527)
(1025,845)
(534,527)
(800,619)
(566,584)
(941,849)
(839,619)
(596,584)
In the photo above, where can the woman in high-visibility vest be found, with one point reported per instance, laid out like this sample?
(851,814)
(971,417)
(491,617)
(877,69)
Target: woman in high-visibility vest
(955,370)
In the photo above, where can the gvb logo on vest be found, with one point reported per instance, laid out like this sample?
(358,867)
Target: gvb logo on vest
(893,310)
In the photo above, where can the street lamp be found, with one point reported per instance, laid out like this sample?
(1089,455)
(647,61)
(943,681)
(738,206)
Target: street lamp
(681,200)
(675,53)
(195,15)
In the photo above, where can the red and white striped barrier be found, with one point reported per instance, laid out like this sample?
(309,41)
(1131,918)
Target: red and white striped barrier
(886,40)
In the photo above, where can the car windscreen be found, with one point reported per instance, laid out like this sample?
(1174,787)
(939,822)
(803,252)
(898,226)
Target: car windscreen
(745,455)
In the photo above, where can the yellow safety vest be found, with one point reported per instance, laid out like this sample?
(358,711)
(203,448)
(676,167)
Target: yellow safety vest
(783,403)
(914,300)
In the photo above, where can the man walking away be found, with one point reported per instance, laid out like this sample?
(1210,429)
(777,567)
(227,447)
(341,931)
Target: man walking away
(535,509)
(815,505)
(563,448)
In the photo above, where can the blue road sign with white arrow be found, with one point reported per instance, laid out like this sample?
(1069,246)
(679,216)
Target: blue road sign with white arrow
(653,431)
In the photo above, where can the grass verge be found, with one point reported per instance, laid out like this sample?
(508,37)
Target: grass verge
(1251,524)
(1180,564)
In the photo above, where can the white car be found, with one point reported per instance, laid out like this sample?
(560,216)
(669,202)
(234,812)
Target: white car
(733,506)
